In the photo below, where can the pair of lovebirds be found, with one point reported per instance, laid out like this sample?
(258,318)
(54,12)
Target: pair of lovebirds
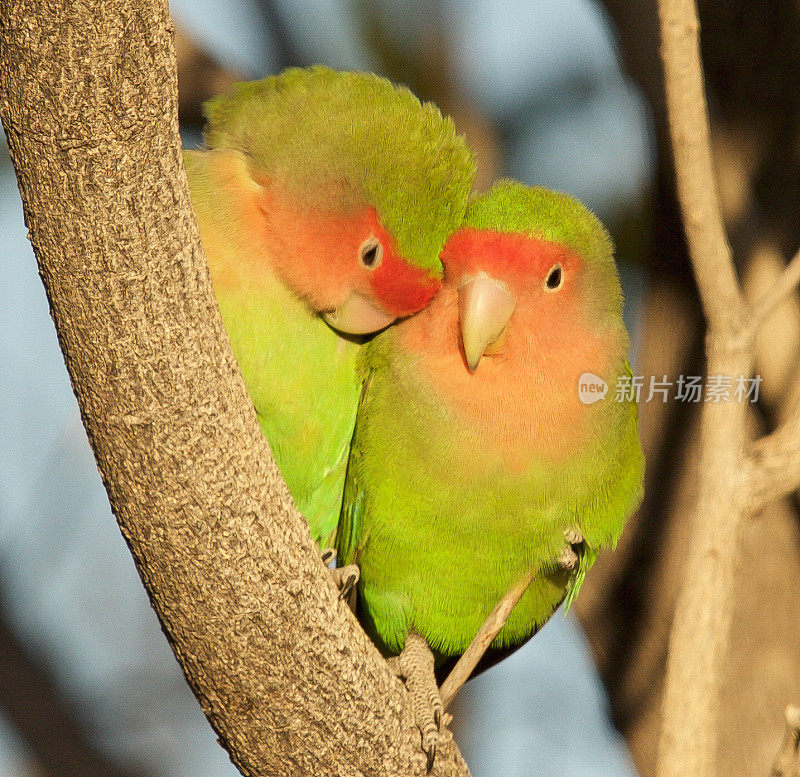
(449,456)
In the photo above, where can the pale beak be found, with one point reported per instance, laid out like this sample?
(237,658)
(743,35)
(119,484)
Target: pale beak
(358,316)
(484,307)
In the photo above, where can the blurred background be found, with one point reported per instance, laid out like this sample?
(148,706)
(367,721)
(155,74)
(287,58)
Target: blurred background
(561,93)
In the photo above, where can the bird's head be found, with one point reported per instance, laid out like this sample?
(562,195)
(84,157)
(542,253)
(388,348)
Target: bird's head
(534,275)
(358,185)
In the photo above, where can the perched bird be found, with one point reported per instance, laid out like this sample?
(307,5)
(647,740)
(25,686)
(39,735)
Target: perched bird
(474,461)
(323,201)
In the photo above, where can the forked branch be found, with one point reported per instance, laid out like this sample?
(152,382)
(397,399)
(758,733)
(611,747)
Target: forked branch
(734,478)
(787,282)
(774,463)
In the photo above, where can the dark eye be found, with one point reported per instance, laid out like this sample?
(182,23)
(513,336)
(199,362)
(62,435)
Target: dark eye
(555,278)
(371,253)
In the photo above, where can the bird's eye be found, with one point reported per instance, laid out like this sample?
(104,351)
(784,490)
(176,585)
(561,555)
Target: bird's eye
(370,254)
(555,278)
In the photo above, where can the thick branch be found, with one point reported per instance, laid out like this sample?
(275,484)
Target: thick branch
(694,169)
(701,627)
(283,671)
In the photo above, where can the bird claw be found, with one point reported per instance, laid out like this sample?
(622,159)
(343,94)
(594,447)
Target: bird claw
(345,579)
(414,666)
(431,757)
(568,558)
(328,556)
(573,536)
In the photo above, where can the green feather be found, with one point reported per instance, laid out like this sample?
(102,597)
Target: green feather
(558,218)
(543,213)
(440,527)
(319,131)
(586,559)
(300,374)
(332,141)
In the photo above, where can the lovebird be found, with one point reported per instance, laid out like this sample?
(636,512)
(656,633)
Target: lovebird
(474,461)
(323,200)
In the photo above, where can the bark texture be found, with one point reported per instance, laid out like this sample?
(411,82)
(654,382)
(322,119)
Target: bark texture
(281,668)
(737,478)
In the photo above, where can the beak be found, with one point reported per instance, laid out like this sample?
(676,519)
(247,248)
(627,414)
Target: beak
(358,316)
(484,307)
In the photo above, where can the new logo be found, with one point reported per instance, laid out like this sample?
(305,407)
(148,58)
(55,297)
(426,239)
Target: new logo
(591,388)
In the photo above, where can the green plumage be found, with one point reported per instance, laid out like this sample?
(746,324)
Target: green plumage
(439,523)
(558,218)
(300,374)
(356,134)
(333,142)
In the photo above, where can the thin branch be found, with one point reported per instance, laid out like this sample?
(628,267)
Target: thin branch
(480,644)
(700,634)
(785,284)
(697,185)
(701,626)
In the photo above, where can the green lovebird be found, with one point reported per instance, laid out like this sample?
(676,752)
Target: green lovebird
(323,201)
(474,461)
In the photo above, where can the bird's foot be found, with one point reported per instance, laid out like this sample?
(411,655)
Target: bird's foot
(568,558)
(415,667)
(345,578)
(573,536)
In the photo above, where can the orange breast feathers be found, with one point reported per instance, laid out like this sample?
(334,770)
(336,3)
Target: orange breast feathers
(522,399)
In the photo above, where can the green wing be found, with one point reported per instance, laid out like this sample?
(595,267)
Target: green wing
(601,525)
(348,533)
(300,374)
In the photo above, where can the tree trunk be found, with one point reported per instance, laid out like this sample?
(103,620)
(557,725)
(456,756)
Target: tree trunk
(281,668)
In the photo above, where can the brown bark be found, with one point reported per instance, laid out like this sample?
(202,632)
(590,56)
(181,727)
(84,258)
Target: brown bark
(281,668)
(752,62)
(736,478)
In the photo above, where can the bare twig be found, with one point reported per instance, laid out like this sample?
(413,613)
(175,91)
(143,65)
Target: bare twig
(787,282)
(480,644)
(774,463)
(701,627)
(733,481)
(777,337)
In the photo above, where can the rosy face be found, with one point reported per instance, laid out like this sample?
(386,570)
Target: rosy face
(512,286)
(506,340)
(346,266)
(376,269)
